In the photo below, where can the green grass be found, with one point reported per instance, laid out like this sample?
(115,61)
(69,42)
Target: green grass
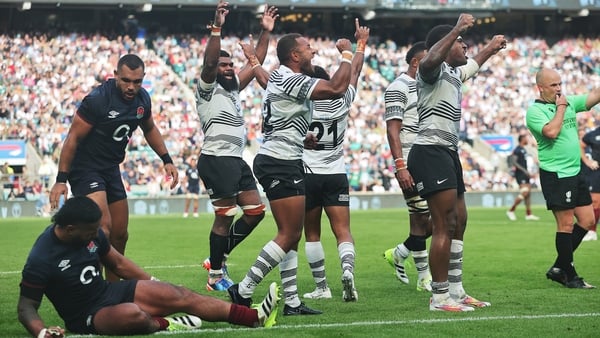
(504,263)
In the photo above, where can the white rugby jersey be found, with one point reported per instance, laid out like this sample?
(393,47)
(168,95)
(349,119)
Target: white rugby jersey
(401,104)
(222,120)
(439,105)
(287,110)
(329,122)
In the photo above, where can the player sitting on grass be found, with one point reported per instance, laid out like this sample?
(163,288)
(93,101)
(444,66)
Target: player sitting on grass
(64,265)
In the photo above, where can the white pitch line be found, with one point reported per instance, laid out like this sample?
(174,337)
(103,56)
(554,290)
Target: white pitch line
(379,323)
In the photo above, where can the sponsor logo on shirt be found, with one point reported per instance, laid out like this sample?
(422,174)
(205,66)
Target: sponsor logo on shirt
(139,113)
(64,264)
(113,114)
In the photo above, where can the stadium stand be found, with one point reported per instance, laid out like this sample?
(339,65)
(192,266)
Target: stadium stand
(45,75)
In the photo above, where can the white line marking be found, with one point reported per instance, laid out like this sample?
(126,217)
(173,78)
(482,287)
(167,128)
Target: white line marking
(380,323)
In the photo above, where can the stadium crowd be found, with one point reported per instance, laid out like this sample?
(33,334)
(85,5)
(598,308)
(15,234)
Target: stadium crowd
(44,78)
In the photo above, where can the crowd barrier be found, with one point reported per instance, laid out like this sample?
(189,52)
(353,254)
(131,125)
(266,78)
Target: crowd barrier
(139,206)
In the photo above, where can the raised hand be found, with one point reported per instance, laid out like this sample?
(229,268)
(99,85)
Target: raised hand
(268,18)
(497,43)
(221,13)
(362,32)
(248,48)
(343,44)
(465,21)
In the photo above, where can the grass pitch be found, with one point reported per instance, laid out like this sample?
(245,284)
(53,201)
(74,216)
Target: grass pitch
(504,263)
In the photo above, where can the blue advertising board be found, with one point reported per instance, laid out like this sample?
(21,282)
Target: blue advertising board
(500,143)
(13,152)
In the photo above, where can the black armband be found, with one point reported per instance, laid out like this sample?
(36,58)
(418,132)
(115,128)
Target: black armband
(166,158)
(62,177)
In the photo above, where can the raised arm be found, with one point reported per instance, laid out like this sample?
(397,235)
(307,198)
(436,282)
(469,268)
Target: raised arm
(437,53)
(593,98)
(213,47)
(337,86)
(362,36)
(497,43)
(262,76)
(267,23)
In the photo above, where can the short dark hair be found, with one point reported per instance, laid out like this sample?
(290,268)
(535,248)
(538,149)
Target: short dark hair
(320,73)
(416,48)
(521,137)
(436,34)
(132,62)
(77,210)
(223,53)
(285,45)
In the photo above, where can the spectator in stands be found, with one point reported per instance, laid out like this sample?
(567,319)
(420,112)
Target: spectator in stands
(440,76)
(95,146)
(228,179)
(552,121)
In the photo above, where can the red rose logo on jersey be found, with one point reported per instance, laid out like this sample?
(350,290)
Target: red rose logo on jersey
(139,113)
(92,247)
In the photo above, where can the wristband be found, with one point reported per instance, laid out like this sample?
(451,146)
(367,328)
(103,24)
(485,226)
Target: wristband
(562,104)
(42,333)
(154,278)
(399,162)
(360,46)
(346,60)
(215,30)
(166,158)
(396,170)
(347,55)
(254,61)
(62,177)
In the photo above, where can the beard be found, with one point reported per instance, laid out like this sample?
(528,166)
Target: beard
(229,85)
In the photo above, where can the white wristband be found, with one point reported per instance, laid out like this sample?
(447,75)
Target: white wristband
(42,333)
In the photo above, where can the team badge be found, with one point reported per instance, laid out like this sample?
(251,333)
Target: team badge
(139,113)
(92,247)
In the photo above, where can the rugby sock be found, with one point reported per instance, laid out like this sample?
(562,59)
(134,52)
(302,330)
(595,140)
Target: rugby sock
(564,248)
(288,269)
(577,236)
(455,270)
(238,231)
(402,250)
(270,256)
(315,255)
(347,254)
(241,315)
(214,275)
(162,323)
(439,291)
(218,245)
(421,263)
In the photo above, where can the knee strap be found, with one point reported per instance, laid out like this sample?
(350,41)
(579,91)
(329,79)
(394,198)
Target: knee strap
(417,205)
(225,211)
(253,209)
